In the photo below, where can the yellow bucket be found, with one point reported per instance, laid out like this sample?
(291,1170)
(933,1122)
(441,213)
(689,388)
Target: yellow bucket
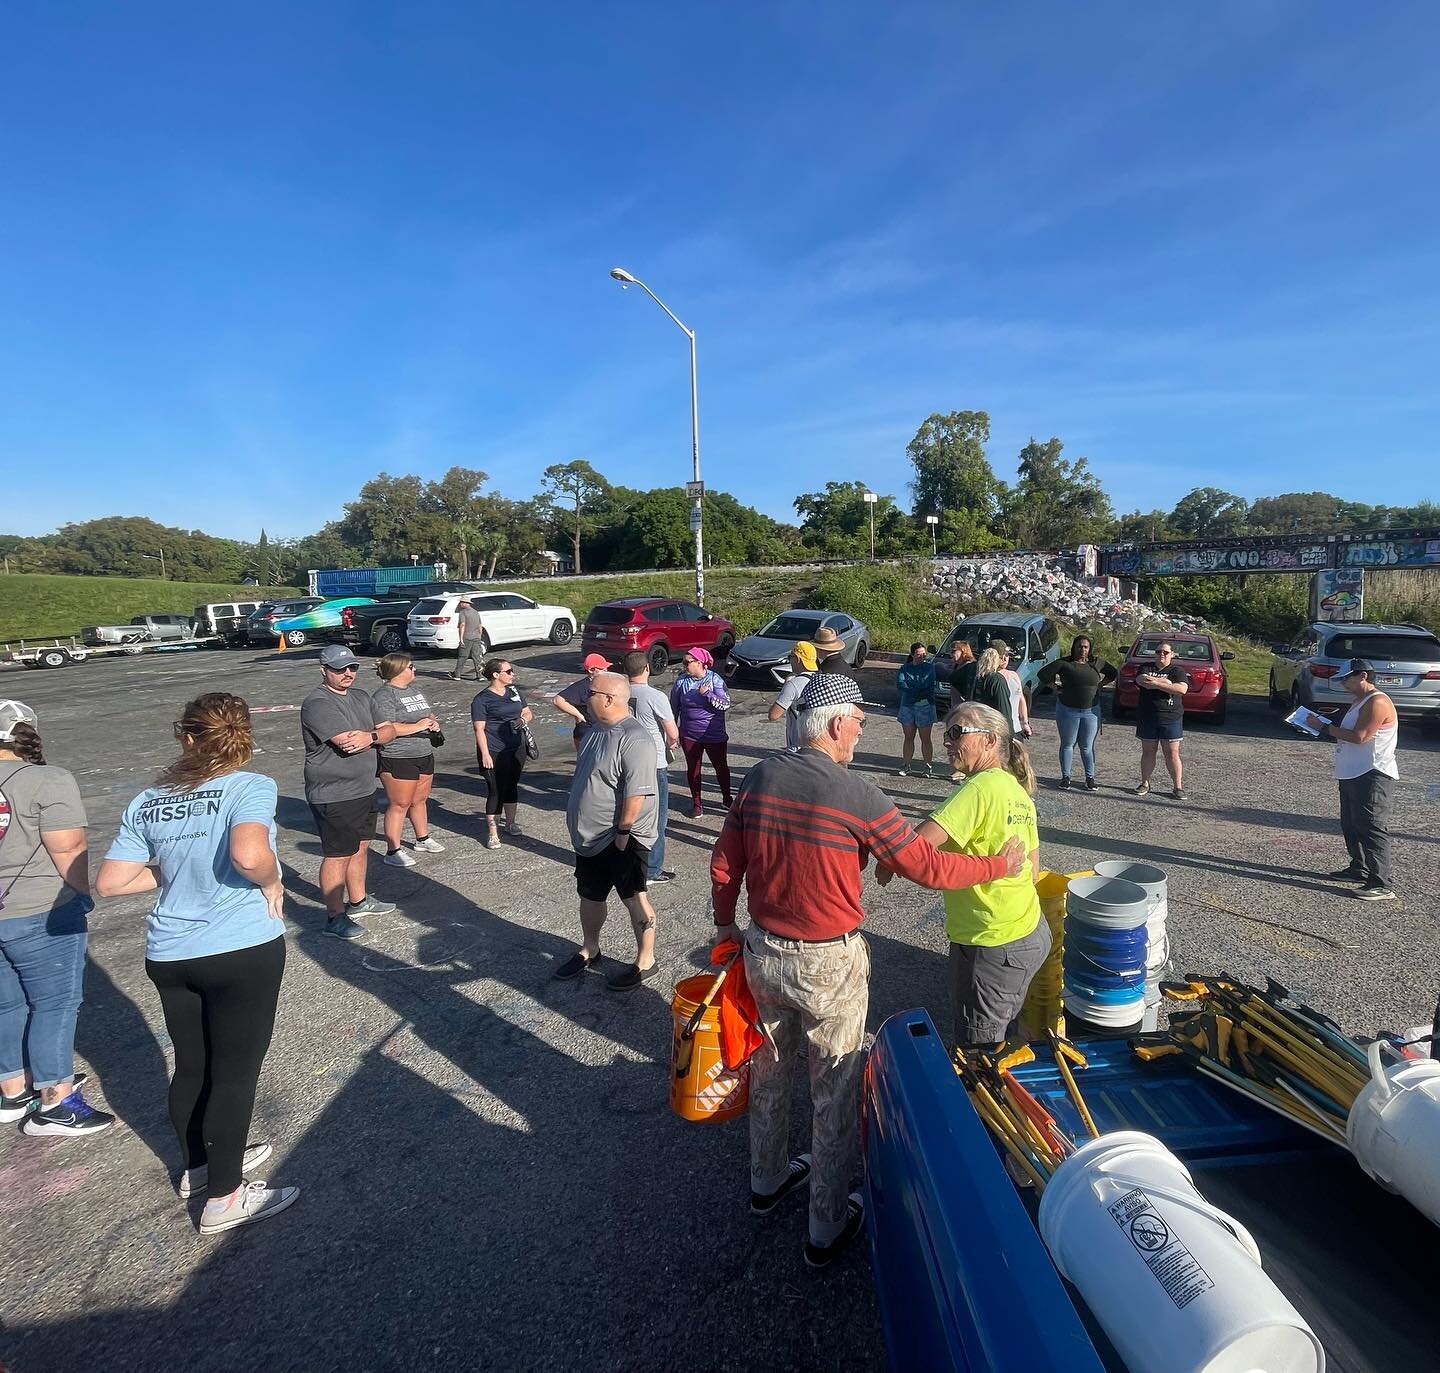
(700,1086)
(1043,1008)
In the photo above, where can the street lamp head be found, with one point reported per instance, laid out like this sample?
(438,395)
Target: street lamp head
(623,277)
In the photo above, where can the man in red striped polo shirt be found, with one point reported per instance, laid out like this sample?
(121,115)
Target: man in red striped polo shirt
(798,837)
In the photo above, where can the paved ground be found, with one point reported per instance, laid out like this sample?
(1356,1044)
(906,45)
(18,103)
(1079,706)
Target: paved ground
(491,1175)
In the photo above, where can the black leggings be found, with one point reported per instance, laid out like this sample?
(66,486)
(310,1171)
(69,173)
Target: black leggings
(219,1011)
(502,782)
(717,751)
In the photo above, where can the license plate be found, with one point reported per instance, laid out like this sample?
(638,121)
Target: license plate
(1389,679)
(600,634)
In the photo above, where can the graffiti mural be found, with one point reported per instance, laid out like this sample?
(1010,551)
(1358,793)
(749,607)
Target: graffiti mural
(1180,562)
(1391,553)
(1338,594)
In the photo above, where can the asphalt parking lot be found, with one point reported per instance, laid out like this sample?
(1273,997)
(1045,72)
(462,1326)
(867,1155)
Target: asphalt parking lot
(491,1176)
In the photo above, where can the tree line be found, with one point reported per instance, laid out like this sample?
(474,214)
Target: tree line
(1055,501)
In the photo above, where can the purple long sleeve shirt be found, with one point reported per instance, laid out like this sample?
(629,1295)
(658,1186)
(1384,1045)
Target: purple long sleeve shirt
(700,715)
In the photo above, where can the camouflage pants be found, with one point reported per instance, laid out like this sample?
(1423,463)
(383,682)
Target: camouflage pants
(819,993)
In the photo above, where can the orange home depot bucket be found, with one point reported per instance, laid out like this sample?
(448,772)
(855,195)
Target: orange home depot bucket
(700,1086)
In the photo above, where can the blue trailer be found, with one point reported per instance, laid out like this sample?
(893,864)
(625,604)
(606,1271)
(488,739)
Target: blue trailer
(966,1285)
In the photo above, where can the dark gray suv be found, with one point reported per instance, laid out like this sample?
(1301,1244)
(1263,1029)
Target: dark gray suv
(1406,659)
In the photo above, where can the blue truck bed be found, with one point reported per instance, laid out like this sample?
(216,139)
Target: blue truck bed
(965,1283)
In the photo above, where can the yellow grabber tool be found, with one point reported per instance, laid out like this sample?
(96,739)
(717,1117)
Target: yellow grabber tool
(1063,1050)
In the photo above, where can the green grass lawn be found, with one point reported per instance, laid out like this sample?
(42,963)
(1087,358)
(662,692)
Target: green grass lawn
(37,605)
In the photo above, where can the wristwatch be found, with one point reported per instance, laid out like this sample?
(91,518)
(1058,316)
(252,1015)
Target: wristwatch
(374,736)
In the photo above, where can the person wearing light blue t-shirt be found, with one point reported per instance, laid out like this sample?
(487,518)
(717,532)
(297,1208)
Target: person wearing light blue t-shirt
(204,837)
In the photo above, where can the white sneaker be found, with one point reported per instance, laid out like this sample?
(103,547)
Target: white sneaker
(255,1202)
(197,1179)
(429,844)
(398,859)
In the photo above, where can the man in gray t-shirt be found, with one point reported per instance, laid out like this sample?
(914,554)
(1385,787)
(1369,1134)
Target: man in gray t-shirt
(340,734)
(472,641)
(652,709)
(613,821)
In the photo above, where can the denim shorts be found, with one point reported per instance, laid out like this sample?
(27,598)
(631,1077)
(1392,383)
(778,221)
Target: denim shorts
(921,714)
(1160,729)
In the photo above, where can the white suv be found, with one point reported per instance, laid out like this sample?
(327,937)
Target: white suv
(506,618)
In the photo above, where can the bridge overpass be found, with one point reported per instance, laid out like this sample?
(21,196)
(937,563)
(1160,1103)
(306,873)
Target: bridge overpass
(1377,549)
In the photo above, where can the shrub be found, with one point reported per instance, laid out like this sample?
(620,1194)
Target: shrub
(889,600)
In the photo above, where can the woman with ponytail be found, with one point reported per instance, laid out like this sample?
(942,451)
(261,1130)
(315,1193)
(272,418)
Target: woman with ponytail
(44,901)
(997,939)
(204,837)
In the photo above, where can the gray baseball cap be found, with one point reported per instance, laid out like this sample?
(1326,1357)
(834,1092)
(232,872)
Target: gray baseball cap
(14,713)
(336,656)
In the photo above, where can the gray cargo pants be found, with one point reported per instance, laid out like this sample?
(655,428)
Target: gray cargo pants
(471,651)
(821,993)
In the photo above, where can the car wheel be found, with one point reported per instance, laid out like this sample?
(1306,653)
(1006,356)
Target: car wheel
(295,638)
(133,650)
(861,649)
(1276,699)
(723,646)
(392,640)
(54,657)
(659,657)
(561,632)
(1218,718)
(484,644)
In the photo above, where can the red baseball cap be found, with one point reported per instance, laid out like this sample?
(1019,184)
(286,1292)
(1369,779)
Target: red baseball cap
(594,660)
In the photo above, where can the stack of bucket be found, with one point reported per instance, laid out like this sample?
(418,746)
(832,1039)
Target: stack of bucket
(1151,880)
(1106,948)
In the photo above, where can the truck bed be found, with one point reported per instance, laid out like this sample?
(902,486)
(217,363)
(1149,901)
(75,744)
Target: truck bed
(964,1281)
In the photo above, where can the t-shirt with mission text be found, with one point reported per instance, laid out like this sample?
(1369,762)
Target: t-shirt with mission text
(34,800)
(392,705)
(205,906)
(614,763)
(331,775)
(978,818)
(1161,707)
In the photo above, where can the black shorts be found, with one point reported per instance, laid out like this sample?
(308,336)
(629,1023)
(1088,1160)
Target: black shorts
(622,869)
(344,825)
(408,769)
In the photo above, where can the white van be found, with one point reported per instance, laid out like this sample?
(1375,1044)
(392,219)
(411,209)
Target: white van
(506,617)
(228,619)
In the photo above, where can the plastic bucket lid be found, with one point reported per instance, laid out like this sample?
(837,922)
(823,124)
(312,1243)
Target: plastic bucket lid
(1145,875)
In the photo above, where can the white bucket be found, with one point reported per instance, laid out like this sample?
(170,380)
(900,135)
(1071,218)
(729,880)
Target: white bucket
(1107,902)
(1113,1017)
(1153,882)
(1175,1283)
(1394,1130)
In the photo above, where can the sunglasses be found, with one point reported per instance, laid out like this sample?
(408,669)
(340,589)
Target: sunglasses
(956,732)
(341,671)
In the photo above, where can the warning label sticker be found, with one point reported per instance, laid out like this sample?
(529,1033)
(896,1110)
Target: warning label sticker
(1173,1265)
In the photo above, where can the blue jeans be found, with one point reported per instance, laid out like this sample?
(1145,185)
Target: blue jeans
(662,801)
(1076,725)
(42,969)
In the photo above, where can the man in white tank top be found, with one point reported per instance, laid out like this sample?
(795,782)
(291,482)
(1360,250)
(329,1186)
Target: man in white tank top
(1366,772)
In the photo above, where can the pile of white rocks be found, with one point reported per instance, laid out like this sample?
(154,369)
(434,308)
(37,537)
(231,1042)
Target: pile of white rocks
(1033,581)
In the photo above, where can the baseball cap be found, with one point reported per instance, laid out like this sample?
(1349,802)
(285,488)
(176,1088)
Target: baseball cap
(336,656)
(593,660)
(14,713)
(1357,665)
(830,689)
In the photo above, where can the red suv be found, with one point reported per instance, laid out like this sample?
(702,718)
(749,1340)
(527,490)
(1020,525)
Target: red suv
(661,628)
(1197,655)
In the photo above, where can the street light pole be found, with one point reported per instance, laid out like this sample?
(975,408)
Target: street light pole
(870,499)
(695,487)
(152,558)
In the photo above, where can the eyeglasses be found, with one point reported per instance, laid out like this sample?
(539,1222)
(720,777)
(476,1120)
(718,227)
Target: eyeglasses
(179,728)
(1164,652)
(956,732)
(859,718)
(608,695)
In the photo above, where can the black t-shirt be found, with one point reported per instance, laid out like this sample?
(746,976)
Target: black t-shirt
(1078,682)
(962,681)
(501,713)
(992,690)
(1161,707)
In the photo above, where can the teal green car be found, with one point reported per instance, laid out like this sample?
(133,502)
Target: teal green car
(320,624)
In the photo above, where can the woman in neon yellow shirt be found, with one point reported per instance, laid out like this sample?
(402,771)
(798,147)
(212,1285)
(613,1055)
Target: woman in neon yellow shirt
(997,939)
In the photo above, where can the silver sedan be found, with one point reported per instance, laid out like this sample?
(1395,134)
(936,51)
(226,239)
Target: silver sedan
(764,658)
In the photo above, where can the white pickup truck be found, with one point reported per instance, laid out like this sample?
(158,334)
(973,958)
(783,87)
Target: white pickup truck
(143,629)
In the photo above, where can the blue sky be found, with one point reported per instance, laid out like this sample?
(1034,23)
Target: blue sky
(250,255)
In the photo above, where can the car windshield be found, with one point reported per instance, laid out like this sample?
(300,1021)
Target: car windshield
(428,607)
(1386,648)
(795,627)
(611,615)
(980,637)
(1186,650)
